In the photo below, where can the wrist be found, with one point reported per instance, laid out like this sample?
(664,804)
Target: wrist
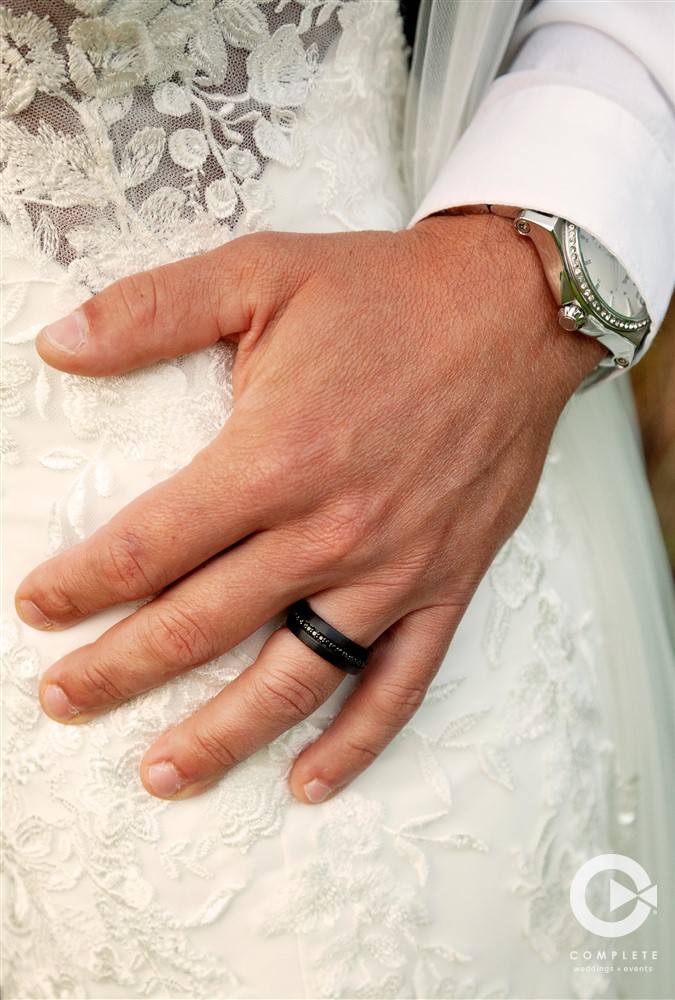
(505,283)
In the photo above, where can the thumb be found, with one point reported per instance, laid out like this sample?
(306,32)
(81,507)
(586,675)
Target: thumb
(165,312)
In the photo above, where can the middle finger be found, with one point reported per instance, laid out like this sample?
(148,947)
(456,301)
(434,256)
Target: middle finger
(200,617)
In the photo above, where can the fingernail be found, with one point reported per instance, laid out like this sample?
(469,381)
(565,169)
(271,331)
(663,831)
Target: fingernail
(57,704)
(165,779)
(316,791)
(69,333)
(31,615)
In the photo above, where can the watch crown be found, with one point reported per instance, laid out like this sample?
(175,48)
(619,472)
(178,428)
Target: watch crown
(571,316)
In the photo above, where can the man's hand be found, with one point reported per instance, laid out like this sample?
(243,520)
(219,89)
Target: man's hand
(395,395)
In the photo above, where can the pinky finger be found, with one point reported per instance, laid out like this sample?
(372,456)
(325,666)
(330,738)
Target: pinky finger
(403,665)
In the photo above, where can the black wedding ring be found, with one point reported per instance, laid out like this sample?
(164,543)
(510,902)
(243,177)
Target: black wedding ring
(325,640)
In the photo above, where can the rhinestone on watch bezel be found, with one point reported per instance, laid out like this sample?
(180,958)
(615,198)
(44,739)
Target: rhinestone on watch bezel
(584,287)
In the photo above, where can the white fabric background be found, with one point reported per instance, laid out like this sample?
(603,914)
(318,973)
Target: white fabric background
(443,871)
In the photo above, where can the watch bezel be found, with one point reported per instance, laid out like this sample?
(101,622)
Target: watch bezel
(588,295)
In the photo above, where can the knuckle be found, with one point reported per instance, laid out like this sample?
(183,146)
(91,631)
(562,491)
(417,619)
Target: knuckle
(123,564)
(258,257)
(139,297)
(417,567)
(360,754)
(255,250)
(279,694)
(269,471)
(208,749)
(100,687)
(396,703)
(252,268)
(338,536)
(174,635)
(271,478)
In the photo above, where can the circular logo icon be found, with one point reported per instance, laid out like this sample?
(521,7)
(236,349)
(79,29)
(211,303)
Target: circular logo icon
(619,895)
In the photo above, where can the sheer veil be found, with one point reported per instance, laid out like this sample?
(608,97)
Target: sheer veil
(458,50)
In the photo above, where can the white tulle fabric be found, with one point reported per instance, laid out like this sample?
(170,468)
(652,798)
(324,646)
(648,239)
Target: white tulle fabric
(458,50)
(138,132)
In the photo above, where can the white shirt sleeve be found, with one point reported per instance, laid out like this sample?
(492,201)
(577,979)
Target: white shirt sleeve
(582,126)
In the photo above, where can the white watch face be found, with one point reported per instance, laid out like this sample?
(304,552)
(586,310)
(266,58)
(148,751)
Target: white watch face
(609,280)
(601,285)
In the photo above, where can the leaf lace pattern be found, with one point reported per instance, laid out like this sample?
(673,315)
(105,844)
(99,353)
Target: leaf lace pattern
(134,133)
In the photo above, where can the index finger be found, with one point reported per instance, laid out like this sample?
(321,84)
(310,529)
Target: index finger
(218,499)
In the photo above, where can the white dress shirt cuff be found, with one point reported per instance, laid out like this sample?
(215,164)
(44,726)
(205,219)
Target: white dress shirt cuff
(539,142)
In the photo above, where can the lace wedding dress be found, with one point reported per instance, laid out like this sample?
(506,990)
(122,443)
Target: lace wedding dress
(138,132)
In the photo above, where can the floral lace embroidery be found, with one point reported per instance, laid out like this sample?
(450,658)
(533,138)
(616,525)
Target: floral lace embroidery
(374,918)
(143,133)
(138,132)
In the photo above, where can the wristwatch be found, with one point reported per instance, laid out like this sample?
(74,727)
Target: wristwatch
(593,291)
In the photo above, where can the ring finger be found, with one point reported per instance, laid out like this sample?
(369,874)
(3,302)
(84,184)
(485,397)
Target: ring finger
(285,685)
